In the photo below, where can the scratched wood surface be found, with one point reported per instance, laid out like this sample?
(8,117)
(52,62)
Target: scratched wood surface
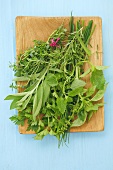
(32,28)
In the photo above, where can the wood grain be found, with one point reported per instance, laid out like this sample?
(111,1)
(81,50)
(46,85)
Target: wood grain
(32,28)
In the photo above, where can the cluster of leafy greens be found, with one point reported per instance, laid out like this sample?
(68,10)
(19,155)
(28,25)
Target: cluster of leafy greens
(55,97)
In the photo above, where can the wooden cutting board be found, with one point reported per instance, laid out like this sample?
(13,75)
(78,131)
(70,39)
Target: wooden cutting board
(39,28)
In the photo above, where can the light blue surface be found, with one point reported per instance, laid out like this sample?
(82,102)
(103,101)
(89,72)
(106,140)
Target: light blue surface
(86,151)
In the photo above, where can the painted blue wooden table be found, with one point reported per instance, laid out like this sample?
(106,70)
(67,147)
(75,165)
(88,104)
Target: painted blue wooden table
(86,151)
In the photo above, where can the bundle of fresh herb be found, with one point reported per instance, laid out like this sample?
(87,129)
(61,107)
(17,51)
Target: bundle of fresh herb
(55,97)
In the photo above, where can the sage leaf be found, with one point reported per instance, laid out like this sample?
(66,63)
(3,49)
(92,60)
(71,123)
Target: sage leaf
(38,100)
(21,78)
(14,104)
(13,96)
(46,92)
(25,103)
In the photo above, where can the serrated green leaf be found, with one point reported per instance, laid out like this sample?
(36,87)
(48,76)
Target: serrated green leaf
(61,104)
(77,83)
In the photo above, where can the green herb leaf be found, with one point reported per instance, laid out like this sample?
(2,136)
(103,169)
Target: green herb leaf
(61,104)
(38,100)
(21,79)
(92,108)
(101,67)
(88,52)
(13,96)
(51,80)
(46,92)
(75,92)
(98,95)
(90,91)
(85,73)
(79,122)
(97,79)
(77,83)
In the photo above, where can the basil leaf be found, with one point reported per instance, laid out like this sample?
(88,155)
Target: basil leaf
(51,80)
(77,83)
(13,96)
(79,122)
(61,104)
(90,91)
(97,79)
(98,95)
(91,108)
(75,92)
